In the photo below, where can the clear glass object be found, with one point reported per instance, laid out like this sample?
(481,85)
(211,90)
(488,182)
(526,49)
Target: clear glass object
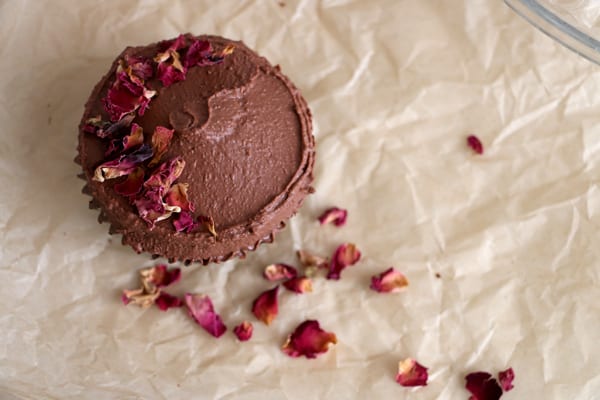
(574,23)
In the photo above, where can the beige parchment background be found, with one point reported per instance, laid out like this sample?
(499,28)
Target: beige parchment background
(395,87)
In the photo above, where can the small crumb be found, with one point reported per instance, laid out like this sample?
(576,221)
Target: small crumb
(49,119)
(281,4)
(437,275)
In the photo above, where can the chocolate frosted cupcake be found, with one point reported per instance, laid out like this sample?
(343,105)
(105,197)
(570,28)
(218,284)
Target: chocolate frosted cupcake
(195,149)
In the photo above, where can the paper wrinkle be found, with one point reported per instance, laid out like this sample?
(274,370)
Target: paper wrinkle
(395,88)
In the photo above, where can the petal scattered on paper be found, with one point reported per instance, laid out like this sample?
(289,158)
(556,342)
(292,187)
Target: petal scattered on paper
(334,215)
(389,281)
(123,165)
(345,255)
(139,297)
(483,386)
(201,309)
(308,259)
(243,331)
(505,378)
(160,275)
(278,272)
(308,340)
(265,306)
(298,284)
(411,373)
(165,301)
(475,144)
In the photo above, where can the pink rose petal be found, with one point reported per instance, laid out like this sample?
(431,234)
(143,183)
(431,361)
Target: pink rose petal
(411,373)
(389,281)
(185,222)
(243,331)
(483,386)
(160,275)
(170,69)
(165,301)
(298,284)
(475,144)
(334,215)
(164,176)
(124,165)
(177,196)
(201,309)
(140,67)
(132,185)
(308,340)
(277,272)
(506,379)
(265,306)
(345,255)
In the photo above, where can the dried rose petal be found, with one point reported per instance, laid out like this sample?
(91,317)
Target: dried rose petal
(483,386)
(474,143)
(209,223)
(170,69)
(201,309)
(166,174)
(299,284)
(168,74)
(243,331)
(125,96)
(161,139)
(185,222)
(134,139)
(345,255)
(277,272)
(265,306)
(159,276)
(389,281)
(198,51)
(165,301)
(132,185)
(104,129)
(177,196)
(334,215)
(140,67)
(308,340)
(124,165)
(140,297)
(311,262)
(411,373)
(506,379)
(151,207)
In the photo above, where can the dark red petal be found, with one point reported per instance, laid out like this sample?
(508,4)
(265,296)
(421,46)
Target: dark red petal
(140,66)
(389,281)
(345,255)
(201,309)
(334,215)
(277,272)
(169,75)
(150,206)
(474,143)
(164,176)
(308,340)
(124,165)
(506,379)
(197,52)
(177,196)
(298,284)
(132,185)
(265,306)
(161,139)
(119,102)
(243,331)
(411,373)
(483,386)
(165,301)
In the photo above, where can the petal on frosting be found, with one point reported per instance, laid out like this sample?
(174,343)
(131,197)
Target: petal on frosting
(151,207)
(298,284)
(389,281)
(411,373)
(104,129)
(164,301)
(308,340)
(128,142)
(164,176)
(119,101)
(243,331)
(161,139)
(506,379)
(483,386)
(265,306)
(345,255)
(278,272)
(198,51)
(124,165)
(177,196)
(185,222)
(201,309)
(131,186)
(140,67)
(169,75)
(170,69)
(334,215)
(209,223)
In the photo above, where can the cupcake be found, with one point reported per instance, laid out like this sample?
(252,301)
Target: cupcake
(195,149)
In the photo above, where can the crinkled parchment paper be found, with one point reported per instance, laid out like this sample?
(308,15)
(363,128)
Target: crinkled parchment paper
(395,88)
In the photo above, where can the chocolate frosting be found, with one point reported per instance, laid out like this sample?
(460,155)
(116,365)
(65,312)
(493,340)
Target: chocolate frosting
(245,134)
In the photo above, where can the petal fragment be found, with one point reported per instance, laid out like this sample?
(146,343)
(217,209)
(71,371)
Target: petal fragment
(278,272)
(411,373)
(243,331)
(201,309)
(389,281)
(308,340)
(334,215)
(265,306)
